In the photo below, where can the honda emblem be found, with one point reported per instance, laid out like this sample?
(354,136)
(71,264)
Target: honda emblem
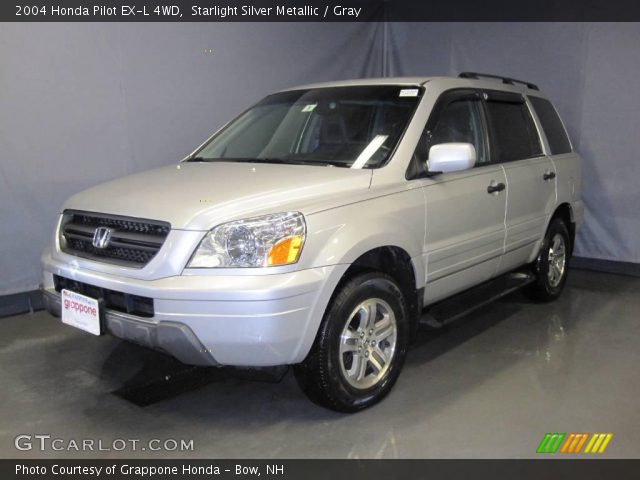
(102,237)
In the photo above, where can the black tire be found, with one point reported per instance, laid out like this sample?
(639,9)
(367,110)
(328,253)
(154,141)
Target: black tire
(548,286)
(323,375)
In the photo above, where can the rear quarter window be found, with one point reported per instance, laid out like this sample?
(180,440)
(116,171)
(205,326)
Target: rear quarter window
(552,125)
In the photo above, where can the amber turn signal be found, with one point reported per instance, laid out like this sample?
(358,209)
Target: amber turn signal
(285,251)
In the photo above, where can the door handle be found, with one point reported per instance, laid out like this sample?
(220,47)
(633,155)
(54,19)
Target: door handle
(496,188)
(548,176)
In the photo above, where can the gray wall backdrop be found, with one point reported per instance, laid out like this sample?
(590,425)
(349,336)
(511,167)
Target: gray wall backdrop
(84,103)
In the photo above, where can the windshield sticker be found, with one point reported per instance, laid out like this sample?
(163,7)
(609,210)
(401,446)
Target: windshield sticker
(409,92)
(309,108)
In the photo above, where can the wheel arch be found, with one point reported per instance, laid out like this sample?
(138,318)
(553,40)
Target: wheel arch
(565,213)
(395,262)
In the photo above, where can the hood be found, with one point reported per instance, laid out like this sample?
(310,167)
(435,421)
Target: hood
(200,195)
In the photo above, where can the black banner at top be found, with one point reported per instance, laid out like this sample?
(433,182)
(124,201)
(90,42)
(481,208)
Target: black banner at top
(318,10)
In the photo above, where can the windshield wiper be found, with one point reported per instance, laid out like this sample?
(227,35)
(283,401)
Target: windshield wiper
(295,161)
(282,161)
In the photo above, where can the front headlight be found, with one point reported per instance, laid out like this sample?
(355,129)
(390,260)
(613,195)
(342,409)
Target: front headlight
(264,241)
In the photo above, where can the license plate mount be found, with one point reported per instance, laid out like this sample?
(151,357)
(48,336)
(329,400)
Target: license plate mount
(81,311)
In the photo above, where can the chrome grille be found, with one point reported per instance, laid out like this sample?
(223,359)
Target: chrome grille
(133,241)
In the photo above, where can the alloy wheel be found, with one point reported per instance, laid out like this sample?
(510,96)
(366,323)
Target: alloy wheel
(368,343)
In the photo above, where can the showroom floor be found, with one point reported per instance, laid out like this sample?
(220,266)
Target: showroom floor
(489,386)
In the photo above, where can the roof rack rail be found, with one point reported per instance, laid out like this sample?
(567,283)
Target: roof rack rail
(507,80)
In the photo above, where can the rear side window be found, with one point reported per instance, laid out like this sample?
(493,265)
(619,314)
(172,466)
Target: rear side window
(513,131)
(552,126)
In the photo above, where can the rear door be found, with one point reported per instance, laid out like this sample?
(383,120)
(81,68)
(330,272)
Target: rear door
(465,210)
(530,175)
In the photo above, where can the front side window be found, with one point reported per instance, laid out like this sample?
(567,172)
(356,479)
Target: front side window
(457,118)
(355,127)
(513,131)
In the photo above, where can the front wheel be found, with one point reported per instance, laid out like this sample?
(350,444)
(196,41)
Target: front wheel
(552,264)
(360,347)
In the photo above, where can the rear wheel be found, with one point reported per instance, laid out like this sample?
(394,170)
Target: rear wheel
(360,347)
(552,265)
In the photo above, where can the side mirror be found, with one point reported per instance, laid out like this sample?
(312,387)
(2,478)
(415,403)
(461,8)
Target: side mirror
(451,157)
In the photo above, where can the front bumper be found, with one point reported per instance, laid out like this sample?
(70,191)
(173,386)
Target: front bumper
(173,338)
(242,320)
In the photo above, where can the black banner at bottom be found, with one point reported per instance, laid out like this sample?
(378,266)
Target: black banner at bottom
(543,469)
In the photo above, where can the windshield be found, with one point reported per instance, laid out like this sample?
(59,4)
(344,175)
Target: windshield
(356,127)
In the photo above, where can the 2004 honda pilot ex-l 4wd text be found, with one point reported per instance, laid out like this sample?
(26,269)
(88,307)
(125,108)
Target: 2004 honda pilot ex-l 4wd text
(322,225)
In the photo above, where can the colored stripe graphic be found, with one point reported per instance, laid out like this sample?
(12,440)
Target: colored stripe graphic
(568,442)
(550,442)
(581,443)
(574,443)
(598,443)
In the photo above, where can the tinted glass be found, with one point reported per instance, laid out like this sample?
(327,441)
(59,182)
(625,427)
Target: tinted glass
(457,120)
(356,127)
(513,131)
(552,126)
(460,121)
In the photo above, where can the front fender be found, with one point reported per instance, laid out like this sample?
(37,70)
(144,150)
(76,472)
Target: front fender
(341,235)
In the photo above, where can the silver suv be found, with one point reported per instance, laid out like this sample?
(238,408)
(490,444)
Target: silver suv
(323,225)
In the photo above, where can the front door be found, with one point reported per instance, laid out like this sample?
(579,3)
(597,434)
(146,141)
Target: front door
(465,210)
